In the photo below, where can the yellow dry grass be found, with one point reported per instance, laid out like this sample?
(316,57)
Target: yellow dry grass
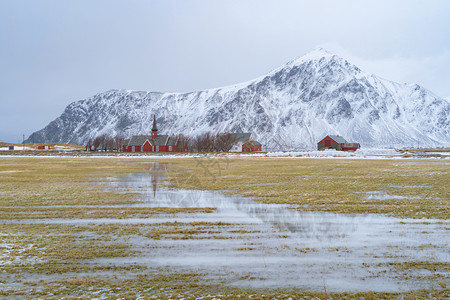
(418,188)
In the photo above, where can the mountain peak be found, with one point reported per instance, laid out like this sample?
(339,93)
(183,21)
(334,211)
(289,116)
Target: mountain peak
(316,54)
(320,51)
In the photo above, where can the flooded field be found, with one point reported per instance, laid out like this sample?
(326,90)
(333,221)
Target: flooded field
(266,245)
(170,241)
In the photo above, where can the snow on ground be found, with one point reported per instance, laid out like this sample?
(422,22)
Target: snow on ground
(65,148)
(56,147)
(333,153)
(328,154)
(16,148)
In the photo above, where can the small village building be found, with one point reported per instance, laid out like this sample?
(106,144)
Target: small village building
(245,143)
(154,142)
(251,146)
(43,147)
(338,143)
(11,147)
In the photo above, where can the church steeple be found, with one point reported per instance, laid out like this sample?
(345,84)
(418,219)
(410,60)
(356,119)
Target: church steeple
(154,129)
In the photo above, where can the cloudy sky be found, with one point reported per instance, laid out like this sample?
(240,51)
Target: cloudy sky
(55,52)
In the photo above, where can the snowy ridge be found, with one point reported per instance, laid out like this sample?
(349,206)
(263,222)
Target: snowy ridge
(292,107)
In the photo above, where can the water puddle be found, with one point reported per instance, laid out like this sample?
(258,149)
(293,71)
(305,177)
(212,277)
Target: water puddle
(277,246)
(429,162)
(284,247)
(382,195)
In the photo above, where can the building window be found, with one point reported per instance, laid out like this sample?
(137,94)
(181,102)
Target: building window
(170,148)
(157,148)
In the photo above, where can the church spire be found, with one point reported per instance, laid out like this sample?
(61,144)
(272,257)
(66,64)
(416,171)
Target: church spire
(154,129)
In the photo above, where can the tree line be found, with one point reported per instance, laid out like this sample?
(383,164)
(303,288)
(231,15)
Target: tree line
(206,142)
(209,142)
(106,143)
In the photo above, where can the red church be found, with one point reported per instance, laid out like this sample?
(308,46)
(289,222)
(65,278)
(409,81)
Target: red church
(154,142)
(337,142)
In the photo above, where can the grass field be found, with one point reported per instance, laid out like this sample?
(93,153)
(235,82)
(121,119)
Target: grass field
(60,260)
(419,188)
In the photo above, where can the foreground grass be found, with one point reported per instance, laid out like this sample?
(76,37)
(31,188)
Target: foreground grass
(417,188)
(184,286)
(69,181)
(412,188)
(59,261)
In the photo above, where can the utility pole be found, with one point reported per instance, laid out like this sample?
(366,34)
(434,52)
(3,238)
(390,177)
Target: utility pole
(23,141)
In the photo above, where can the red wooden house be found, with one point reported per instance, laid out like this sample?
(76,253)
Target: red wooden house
(337,142)
(245,143)
(154,142)
(251,146)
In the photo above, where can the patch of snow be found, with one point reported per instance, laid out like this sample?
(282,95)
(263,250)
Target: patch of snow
(16,148)
(381,195)
(363,154)
(65,148)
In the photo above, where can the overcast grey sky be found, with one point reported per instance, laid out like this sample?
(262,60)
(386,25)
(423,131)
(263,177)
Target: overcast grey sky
(55,52)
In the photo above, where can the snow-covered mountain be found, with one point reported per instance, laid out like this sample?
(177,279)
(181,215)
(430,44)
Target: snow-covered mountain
(293,106)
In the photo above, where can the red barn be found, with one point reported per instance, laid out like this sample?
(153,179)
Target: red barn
(154,143)
(43,147)
(251,146)
(337,142)
(245,143)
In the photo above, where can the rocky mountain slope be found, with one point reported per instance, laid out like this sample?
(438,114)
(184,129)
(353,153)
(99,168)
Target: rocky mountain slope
(291,107)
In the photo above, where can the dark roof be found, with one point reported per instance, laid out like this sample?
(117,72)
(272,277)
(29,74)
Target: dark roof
(242,136)
(172,141)
(160,140)
(254,143)
(339,139)
(139,140)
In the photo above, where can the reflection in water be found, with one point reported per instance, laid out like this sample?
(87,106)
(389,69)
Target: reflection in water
(278,245)
(268,245)
(156,169)
(307,224)
(154,184)
(287,247)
